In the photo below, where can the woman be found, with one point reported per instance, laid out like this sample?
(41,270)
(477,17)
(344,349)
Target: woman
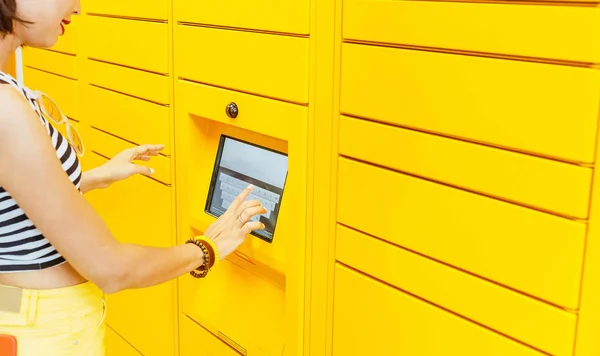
(57,257)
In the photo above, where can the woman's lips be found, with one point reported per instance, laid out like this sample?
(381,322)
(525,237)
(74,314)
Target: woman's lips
(62,25)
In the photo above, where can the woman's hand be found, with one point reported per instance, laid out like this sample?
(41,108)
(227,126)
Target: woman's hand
(120,167)
(230,229)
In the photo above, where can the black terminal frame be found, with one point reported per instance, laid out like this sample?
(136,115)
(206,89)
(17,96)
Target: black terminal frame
(268,233)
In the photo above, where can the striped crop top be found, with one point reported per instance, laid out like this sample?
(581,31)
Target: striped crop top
(22,246)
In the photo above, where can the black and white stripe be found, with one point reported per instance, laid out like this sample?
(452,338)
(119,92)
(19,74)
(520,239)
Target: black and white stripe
(22,246)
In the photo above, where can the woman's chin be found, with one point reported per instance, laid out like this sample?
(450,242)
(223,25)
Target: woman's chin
(47,43)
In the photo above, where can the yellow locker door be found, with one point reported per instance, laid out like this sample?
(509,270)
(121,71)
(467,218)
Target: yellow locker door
(116,346)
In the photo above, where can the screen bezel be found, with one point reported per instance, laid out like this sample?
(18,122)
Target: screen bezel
(215,175)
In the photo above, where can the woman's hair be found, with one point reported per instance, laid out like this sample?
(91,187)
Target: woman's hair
(8,15)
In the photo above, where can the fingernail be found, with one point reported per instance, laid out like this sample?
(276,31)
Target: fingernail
(151,170)
(250,186)
(263,225)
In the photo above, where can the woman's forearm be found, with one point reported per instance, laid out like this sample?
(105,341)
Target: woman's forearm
(91,180)
(147,266)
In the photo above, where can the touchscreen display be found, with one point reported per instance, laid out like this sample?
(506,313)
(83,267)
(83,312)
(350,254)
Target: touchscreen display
(239,164)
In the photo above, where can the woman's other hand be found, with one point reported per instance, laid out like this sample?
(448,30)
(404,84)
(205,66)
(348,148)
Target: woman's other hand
(230,229)
(120,167)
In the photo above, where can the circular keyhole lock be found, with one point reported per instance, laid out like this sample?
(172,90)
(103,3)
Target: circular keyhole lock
(232,110)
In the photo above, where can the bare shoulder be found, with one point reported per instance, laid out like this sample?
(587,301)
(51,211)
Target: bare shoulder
(10,98)
(16,116)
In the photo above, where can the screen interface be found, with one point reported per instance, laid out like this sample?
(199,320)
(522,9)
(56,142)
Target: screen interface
(239,164)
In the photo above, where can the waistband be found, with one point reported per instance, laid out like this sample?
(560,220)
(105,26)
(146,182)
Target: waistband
(18,300)
(68,306)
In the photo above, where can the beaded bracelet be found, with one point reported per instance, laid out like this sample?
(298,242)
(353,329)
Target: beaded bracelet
(211,255)
(202,270)
(213,250)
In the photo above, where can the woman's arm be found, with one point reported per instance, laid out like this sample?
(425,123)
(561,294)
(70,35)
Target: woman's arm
(91,180)
(120,167)
(31,172)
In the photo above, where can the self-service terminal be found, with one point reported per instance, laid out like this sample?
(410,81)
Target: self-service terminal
(239,164)
(253,300)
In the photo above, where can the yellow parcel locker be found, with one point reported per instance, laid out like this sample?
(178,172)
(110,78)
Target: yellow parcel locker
(133,43)
(138,83)
(537,253)
(548,110)
(268,65)
(531,181)
(195,338)
(140,9)
(252,300)
(50,61)
(287,16)
(567,33)
(531,251)
(541,325)
(138,121)
(372,318)
(116,346)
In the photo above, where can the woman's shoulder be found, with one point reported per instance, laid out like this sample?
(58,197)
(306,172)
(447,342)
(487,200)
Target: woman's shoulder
(11,99)
(15,109)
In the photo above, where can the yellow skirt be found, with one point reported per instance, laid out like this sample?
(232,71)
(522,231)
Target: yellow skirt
(54,322)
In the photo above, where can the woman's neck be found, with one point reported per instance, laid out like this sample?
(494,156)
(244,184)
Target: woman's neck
(8,46)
